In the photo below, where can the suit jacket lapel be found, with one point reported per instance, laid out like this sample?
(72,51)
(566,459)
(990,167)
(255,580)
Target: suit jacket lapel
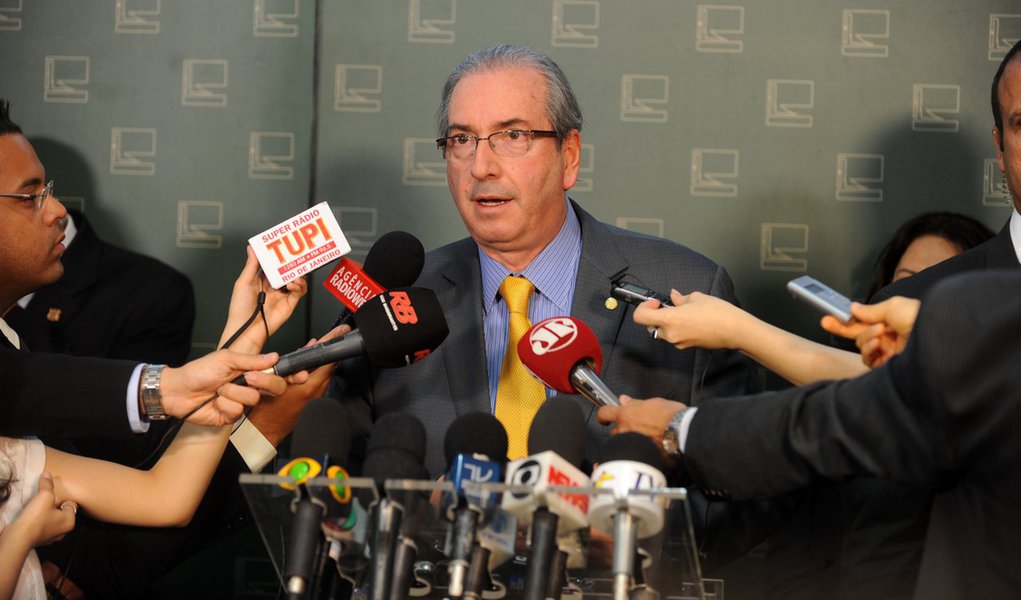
(601,263)
(464,351)
(1000,253)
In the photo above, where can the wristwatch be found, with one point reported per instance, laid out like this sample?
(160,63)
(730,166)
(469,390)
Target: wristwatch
(149,392)
(672,435)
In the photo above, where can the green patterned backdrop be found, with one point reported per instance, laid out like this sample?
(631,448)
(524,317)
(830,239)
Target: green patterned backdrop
(777,137)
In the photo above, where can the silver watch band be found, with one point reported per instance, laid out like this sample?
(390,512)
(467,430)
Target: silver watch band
(149,390)
(672,435)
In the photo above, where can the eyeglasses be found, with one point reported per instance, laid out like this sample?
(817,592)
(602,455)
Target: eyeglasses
(516,142)
(38,199)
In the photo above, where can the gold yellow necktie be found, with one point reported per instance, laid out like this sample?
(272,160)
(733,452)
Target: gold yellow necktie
(518,394)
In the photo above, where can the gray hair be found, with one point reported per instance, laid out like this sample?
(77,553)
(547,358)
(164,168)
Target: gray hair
(561,105)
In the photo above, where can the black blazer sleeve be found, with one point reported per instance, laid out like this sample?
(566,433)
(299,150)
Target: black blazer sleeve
(63,396)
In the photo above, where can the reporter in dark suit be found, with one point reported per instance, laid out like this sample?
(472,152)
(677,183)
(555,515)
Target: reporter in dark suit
(110,303)
(943,413)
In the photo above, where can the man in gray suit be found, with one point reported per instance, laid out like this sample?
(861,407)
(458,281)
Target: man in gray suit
(510,134)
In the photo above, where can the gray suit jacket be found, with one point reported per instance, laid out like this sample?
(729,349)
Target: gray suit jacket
(944,413)
(453,380)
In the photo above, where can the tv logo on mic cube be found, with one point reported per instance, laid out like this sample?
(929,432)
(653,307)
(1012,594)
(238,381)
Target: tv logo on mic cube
(552,335)
(467,469)
(300,245)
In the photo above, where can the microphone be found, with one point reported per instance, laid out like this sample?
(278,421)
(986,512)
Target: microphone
(395,450)
(394,260)
(322,432)
(395,329)
(630,463)
(556,443)
(475,446)
(564,354)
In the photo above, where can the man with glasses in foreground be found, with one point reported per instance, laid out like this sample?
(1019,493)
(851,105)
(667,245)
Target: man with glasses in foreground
(509,127)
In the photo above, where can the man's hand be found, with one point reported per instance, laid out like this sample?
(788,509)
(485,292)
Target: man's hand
(184,388)
(648,417)
(880,331)
(275,418)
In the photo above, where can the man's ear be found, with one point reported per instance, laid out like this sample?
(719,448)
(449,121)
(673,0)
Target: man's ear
(570,150)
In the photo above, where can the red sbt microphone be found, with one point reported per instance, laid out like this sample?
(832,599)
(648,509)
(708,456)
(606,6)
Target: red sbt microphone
(564,354)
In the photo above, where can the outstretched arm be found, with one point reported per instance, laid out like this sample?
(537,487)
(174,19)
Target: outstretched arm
(703,321)
(163,496)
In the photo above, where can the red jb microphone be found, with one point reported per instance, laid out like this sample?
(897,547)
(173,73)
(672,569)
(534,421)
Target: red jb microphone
(564,354)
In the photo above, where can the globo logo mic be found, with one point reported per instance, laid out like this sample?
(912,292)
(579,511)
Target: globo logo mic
(552,334)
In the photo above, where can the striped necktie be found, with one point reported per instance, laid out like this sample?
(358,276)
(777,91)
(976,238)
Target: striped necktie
(518,394)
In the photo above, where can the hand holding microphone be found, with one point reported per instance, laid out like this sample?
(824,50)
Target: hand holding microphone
(395,329)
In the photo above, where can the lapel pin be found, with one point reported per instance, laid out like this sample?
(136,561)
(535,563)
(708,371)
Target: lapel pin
(53,315)
(611,303)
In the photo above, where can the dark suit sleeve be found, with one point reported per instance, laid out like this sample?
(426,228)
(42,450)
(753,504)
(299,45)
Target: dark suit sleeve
(913,420)
(63,396)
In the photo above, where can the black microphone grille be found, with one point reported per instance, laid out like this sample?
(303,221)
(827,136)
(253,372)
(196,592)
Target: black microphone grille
(396,448)
(322,427)
(395,259)
(399,431)
(401,325)
(559,426)
(476,433)
(632,446)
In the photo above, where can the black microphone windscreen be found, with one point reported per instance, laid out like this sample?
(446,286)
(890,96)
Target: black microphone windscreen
(392,463)
(396,448)
(475,433)
(559,426)
(400,326)
(397,431)
(395,260)
(322,427)
(632,446)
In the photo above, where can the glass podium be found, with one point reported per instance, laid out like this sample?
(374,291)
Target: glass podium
(360,522)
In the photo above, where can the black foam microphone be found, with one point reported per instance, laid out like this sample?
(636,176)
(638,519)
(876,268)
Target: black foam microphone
(321,432)
(394,260)
(395,450)
(558,427)
(475,446)
(395,329)
(631,463)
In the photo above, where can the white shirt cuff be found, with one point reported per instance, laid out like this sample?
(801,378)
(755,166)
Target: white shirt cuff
(682,436)
(253,447)
(135,419)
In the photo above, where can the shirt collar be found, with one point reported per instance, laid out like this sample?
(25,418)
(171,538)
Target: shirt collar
(1015,232)
(545,271)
